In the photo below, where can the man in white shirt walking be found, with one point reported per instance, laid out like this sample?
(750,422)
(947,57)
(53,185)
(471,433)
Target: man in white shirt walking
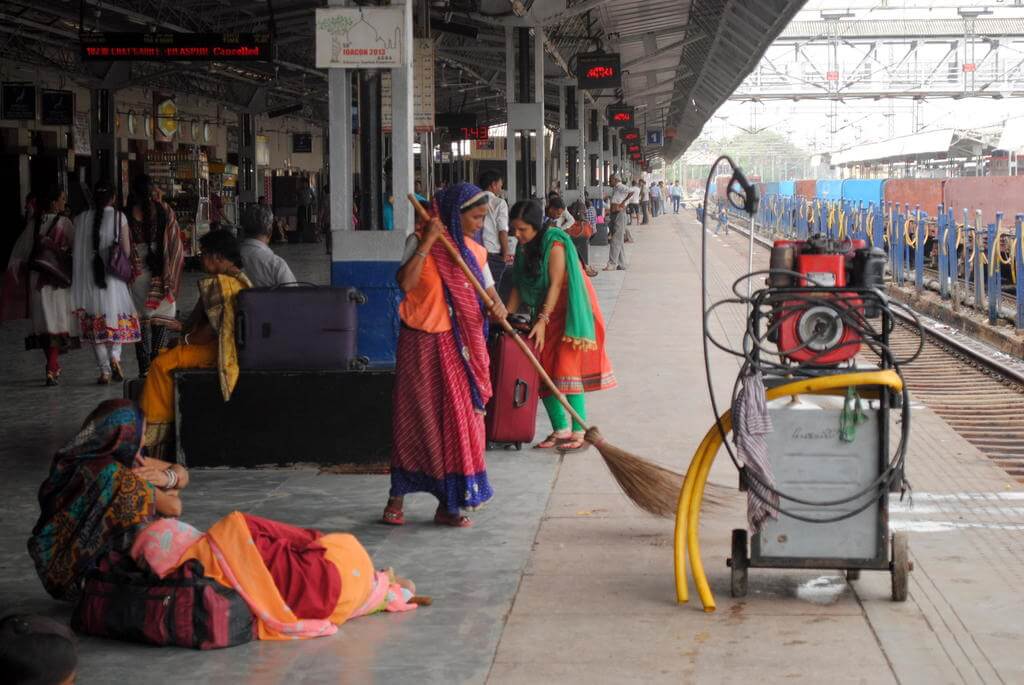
(500,247)
(617,212)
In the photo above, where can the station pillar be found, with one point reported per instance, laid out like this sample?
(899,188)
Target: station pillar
(524,116)
(103,137)
(369,259)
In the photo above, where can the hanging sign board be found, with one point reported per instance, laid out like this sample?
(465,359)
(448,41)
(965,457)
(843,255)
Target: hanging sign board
(360,37)
(633,149)
(422,90)
(621,116)
(654,136)
(597,70)
(19,101)
(57,107)
(630,135)
(456,120)
(302,143)
(170,47)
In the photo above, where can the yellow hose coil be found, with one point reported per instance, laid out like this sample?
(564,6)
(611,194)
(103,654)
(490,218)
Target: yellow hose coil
(688,511)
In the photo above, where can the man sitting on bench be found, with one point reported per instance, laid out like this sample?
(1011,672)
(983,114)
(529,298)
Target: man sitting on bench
(262,266)
(207,341)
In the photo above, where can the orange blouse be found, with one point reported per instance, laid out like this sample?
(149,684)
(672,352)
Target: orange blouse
(424,307)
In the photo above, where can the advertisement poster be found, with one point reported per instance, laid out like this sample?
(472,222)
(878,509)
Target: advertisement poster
(360,37)
(19,101)
(57,107)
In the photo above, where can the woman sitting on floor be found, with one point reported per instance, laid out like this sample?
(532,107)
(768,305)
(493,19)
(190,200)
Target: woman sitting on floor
(99,493)
(298,582)
(567,324)
(208,339)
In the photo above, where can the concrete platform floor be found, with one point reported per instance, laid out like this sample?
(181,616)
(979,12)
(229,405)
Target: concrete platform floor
(562,580)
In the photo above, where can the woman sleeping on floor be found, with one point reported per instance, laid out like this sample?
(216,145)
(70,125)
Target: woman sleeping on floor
(102,495)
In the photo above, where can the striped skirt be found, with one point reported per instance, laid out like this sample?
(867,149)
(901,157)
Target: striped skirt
(439,438)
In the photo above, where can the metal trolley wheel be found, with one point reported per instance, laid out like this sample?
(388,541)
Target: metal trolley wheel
(739,563)
(900,567)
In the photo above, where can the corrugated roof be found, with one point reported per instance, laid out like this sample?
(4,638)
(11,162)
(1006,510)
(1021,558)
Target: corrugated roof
(926,143)
(901,28)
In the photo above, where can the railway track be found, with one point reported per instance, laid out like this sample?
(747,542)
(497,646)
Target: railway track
(979,395)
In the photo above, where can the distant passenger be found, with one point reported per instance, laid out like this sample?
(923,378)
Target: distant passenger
(557,215)
(264,268)
(676,193)
(501,248)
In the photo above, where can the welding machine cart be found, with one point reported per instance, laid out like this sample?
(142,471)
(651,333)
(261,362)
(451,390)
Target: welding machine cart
(810,462)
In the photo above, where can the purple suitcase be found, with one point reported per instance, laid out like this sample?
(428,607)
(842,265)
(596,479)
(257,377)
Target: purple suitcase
(298,328)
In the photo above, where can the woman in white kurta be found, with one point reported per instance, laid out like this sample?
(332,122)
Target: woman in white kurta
(106,313)
(39,280)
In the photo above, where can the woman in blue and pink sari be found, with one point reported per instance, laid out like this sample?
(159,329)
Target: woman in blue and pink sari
(442,376)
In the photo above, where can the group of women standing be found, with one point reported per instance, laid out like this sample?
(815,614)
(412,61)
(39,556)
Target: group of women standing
(443,369)
(107,279)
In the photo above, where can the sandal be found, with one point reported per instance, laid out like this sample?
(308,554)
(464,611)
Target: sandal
(51,378)
(551,441)
(104,379)
(393,516)
(575,443)
(117,373)
(443,518)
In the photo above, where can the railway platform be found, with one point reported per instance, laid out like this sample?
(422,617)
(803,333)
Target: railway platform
(562,580)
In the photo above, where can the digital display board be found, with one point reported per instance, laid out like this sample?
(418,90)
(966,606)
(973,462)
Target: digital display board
(597,70)
(170,47)
(621,116)
(478,133)
(630,135)
(633,149)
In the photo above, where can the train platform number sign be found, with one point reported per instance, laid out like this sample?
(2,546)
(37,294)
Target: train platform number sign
(597,70)
(98,46)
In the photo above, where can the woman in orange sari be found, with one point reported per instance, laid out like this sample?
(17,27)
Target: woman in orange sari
(298,582)
(568,327)
(442,374)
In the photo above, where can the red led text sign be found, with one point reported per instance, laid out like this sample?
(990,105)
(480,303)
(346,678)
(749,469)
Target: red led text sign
(620,116)
(171,47)
(597,70)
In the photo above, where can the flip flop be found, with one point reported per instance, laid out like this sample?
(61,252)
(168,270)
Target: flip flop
(573,444)
(393,516)
(443,518)
(549,442)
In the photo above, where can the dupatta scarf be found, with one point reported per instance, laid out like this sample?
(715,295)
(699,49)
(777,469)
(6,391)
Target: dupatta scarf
(579,317)
(468,314)
(91,498)
(219,295)
(164,286)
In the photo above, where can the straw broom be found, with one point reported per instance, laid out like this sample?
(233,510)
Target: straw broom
(653,488)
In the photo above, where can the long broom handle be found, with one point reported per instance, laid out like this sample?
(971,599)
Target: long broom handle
(503,322)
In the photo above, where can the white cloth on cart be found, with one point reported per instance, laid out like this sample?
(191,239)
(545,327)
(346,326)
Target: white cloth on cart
(751,422)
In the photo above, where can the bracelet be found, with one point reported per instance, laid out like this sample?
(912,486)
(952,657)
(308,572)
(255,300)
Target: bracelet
(421,253)
(186,339)
(544,317)
(172,478)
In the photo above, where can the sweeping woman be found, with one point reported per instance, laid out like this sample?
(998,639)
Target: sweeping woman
(442,371)
(567,328)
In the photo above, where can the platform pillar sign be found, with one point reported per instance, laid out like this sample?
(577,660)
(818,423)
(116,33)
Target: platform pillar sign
(350,38)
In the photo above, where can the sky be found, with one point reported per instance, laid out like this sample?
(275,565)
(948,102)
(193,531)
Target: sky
(806,122)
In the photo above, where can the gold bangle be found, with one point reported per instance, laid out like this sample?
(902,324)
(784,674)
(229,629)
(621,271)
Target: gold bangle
(544,317)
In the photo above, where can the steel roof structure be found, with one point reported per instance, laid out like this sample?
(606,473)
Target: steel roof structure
(683,57)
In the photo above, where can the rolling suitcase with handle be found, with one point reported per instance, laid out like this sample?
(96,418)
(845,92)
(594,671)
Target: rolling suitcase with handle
(298,328)
(512,412)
